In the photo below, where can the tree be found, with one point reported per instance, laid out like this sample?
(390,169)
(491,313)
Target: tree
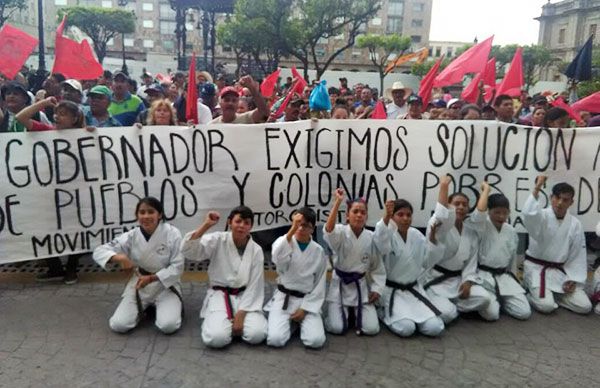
(420,69)
(535,58)
(381,47)
(9,7)
(100,24)
(319,20)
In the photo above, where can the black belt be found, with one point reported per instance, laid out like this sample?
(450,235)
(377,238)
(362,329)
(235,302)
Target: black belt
(497,272)
(228,291)
(289,293)
(446,274)
(138,299)
(545,265)
(410,287)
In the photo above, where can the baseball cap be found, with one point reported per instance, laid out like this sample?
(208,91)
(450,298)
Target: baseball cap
(101,89)
(439,103)
(120,74)
(228,90)
(414,99)
(453,101)
(74,84)
(154,88)
(208,89)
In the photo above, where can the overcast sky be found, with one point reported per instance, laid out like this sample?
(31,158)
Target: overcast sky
(511,21)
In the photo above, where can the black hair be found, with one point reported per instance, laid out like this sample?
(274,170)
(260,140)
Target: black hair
(74,110)
(333,90)
(402,204)
(458,194)
(351,202)
(500,99)
(58,77)
(498,201)
(465,110)
(153,203)
(554,114)
(245,213)
(562,188)
(309,215)
(107,74)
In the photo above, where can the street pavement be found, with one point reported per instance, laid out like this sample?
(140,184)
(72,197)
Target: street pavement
(53,335)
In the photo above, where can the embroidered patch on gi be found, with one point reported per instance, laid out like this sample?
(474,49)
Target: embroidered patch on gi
(162,249)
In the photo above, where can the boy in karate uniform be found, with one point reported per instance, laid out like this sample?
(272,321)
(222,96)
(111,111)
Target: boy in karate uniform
(233,303)
(497,261)
(555,267)
(302,268)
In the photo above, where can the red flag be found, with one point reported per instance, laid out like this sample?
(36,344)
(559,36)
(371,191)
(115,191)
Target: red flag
(560,103)
(379,111)
(72,59)
(488,76)
(297,88)
(471,61)
(191,99)
(15,48)
(268,84)
(427,82)
(513,79)
(590,104)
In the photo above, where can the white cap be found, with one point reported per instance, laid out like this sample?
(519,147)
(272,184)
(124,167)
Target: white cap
(452,101)
(74,84)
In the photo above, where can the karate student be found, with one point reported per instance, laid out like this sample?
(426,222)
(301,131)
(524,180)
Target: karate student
(152,250)
(449,284)
(359,276)
(301,268)
(497,261)
(555,267)
(234,300)
(407,254)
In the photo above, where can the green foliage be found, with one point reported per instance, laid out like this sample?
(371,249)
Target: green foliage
(9,7)
(420,69)
(380,48)
(100,24)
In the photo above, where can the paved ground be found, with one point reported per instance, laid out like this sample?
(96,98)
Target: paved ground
(58,336)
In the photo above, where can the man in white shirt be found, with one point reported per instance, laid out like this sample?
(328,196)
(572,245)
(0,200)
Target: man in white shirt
(398,92)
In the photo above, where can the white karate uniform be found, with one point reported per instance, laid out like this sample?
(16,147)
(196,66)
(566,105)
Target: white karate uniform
(354,254)
(159,255)
(557,241)
(303,271)
(405,262)
(228,269)
(498,249)
(460,254)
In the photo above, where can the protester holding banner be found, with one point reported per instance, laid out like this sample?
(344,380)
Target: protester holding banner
(124,106)
(301,269)
(555,267)
(406,255)
(358,279)
(234,301)
(452,284)
(152,251)
(497,263)
(229,97)
(15,98)
(162,112)
(67,115)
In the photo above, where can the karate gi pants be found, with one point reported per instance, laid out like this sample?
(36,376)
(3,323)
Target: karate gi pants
(217,328)
(335,324)
(516,306)
(312,332)
(168,312)
(577,301)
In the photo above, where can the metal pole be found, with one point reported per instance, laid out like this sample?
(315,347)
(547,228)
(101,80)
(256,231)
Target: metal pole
(123,3)
(41,57)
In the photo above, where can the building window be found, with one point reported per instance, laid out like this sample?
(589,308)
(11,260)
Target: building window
(438,52)
(148,7)
(416,23)
(396,8)
(60,2)
(166,12)
(111,42)
(416,38)
(167,27)
(129,42)
(394,25)
(168,44)
(148,43)
(148,24)
(561,35)
(107,4)
(449,52)
(593,30)
(418,7)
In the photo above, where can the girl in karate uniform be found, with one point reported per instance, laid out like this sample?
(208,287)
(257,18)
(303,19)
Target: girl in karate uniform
(358,277)
(152,251)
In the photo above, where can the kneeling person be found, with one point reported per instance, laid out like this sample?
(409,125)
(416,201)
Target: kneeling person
(302,268)
(233,302)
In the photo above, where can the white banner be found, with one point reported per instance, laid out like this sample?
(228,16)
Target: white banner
(69,191)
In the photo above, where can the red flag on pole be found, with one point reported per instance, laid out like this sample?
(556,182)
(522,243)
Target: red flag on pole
(72,59)
(268,84)
(297,88)
(471,61)
(590,104)
(513,79)
(471,93)
(560,103)
(191,99)
(427,82)
(15,48)
(379,111)
(488,76)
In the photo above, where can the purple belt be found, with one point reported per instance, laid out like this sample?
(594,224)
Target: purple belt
(347,278)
